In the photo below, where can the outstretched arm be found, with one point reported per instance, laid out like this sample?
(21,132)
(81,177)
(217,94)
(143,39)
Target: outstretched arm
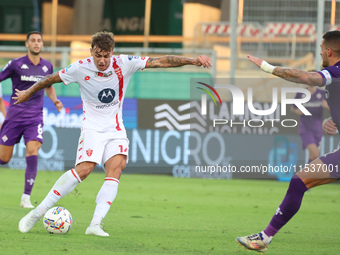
(24,95)
(289,74)
(50,92)
(176,61)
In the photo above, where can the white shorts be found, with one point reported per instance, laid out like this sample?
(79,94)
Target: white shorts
(99,147)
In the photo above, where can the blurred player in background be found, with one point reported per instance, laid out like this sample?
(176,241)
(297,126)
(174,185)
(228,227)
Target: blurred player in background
(26,120)
(310,176)
(310,127)
(103,79)
(2,108)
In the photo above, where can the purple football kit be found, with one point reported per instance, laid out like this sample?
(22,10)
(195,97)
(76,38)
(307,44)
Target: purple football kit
(25,119)
(310,127)
(331,78)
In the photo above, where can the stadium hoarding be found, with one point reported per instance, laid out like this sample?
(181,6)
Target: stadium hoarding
(212,155)
(163,140)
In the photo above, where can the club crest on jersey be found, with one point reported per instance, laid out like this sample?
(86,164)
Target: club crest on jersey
(100,74)
(45,68)
(106,95)
(89,152)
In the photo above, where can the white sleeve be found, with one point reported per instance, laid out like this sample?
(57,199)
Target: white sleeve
(327,77)
(69,74)
(134,63)
(0,90)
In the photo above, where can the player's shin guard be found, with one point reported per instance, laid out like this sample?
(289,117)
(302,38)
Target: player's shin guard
(289,206)
(105,197)
(64,185)
(30,173)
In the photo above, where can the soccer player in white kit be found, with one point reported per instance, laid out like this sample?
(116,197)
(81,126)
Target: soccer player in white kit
(102,79)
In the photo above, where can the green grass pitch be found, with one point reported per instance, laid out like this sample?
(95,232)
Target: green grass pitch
(156,214)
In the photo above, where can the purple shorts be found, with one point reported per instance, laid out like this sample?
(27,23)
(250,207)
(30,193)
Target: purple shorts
(310,138)
(12,131)
(332,161)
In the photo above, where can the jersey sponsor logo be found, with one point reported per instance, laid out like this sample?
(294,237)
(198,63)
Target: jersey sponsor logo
(31,78)
(142,58)
(107,105)
(89,152)
(80,61)
(106,95)
(100,74)
(45,68)
(24,66)
(87,78)
(130,57)
(88,60)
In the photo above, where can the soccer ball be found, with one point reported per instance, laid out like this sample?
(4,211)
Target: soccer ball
(57,220)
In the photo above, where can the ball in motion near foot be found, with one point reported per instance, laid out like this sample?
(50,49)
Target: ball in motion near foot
(57,220)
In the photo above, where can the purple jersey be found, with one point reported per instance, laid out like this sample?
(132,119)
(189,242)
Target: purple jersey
(312,122)
(24,74)
(331,78)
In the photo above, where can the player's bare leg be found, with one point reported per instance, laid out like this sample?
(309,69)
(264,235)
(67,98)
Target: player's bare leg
(107,193)
(313,151)
(307,178)
(6,153)
(32,148)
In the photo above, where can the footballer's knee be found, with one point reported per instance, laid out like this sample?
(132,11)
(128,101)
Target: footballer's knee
(84,169)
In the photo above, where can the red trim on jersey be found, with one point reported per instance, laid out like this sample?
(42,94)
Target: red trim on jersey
(120,76)
(146,63)
(111,179)
(75,175)
(117,122)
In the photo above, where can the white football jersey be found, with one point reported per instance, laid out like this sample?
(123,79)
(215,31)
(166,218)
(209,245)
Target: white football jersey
(102,92)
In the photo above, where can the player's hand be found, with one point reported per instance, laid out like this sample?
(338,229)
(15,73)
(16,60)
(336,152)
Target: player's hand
(59,105)
(255,60)
(21,96)
(329,127)
(202,61)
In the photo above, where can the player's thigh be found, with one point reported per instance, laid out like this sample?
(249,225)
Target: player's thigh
(315,174)
(115,165)
(32,148)
(6,152)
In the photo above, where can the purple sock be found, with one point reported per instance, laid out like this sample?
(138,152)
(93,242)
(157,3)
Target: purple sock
(3,162)
(31,173)
(289,206)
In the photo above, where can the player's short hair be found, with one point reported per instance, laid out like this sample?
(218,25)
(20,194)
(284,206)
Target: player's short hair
(332,41)
(33,33)
(103,40)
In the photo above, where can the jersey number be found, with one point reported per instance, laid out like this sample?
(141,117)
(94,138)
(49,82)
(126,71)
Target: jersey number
(122,148)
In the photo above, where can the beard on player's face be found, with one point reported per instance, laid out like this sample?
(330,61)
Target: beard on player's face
(35,53)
